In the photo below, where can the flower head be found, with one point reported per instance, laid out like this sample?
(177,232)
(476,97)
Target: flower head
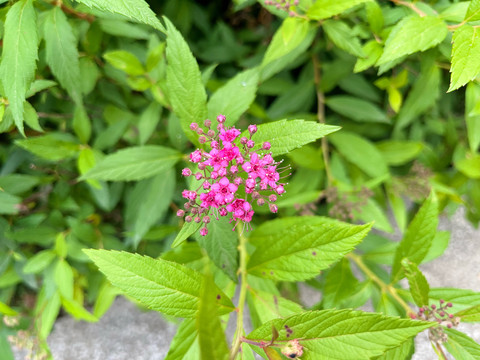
(225,168)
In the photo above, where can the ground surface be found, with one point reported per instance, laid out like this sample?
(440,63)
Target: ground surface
(127,333)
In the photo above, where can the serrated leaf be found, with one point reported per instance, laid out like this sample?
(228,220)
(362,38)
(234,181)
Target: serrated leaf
(418,237)
(161,285)
(54,146)
(473,11)
(341,35)
(39,85)
(323,9)
(221,246)
(287,135)
(297,248)
(360,152)
(419,287)
(461,346)
(413,34)
(342,334)
(125,61)
(234,97)
(19,56)
(291,39)
(184,82)
(356,109)
(77,310)
(185,232)
(465,56)
(184,342)
(62,53)
(402,352)
(460,298)
(471,314)
(211,337)
(137,10)
(148,203)
(134,163)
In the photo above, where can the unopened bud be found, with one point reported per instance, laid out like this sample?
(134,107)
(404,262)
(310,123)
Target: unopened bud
(266,145)
(180,213)
(250,144)
(221,119)
(207,123)
(200,131)
(188,218)
(193,126)
(206,219)
(211,133)
(252,129)
(197,219)
(273,208)
(433,306)
(243,140)
(260,202)
(202,139)
(272,198)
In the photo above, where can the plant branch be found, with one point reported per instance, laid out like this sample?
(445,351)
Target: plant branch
(73,12)
(321,116)
(409,5)
(384,287)
(242,248)
(439,351)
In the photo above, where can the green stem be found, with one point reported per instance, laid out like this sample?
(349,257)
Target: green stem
(243,293)
(384,287)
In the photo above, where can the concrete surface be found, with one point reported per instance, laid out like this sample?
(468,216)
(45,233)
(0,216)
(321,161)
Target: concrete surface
(126,333)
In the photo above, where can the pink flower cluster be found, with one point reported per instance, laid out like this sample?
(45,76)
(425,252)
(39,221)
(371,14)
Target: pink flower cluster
(230,165)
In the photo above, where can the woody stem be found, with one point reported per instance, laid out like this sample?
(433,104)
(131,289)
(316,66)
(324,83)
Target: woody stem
(242,248)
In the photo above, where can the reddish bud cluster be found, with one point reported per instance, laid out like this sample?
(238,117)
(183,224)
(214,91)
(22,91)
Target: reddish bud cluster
(226,168)
(440,315)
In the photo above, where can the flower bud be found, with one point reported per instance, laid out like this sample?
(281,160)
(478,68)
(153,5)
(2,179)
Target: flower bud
(201,166)
(197,219)
(193,126)
(433,306)
(180,213)
(202,139)
(243,140)
(260,202)
(252,129)
(207,123)
(273,208)
(221,119)
(250,144)
(186,172)
(272,198)
(266,145)
(206,219)
(199,131)
(214,144)
(211,133)
(188,218)
(280,190)
(204,231)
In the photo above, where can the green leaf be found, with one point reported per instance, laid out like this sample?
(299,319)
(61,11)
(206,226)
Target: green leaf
(297,248)
(397,152)
(292,39)
(39,262)
(31,117)
(63,276)
(472,116)
(356,109)
(419,236)
(473,11)
(265,306)
(184,344)
(19,56)
(323,9)
(161,285)
(423,94)
(372,211)
(460,298)
(77,310)
(211,337)
(374,16)
(341,35)
(402,352)
(342,334)
(40,85)
(148,122)
(47,310)
(465,54)
(221,246)
(124,28)
(61,245)
(470,166)
(340,283)
(17,184)
(134,163)
(137,10)
(148,203)
(287,135)
(184,82)
(373,51)
(360,152)
(62,53)
(461,346)
(5,348)
(106,296)
(9,204)
(125,61)
(235,97)
(81,124)
(439,245)
(186,231)
(54,146)
(7,310)
(472,314)
(419,287)
(413,34)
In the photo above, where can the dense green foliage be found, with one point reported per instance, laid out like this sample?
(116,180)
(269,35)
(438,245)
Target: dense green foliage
(369,103)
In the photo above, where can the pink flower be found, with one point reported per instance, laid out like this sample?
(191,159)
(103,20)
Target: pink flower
(196,156)
(241,210)
(224,191)
(229,135)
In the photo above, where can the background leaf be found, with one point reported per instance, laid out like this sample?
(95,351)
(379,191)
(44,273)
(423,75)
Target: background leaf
(323,9)
(161,285)
(461,346)
(419,287)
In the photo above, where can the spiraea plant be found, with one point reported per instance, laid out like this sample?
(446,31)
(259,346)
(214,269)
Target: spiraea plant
(215,159)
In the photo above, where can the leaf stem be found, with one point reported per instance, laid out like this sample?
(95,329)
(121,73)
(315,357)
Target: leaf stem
(321,116)
(384,287)
(242,249)
(409,5)
(439,351)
